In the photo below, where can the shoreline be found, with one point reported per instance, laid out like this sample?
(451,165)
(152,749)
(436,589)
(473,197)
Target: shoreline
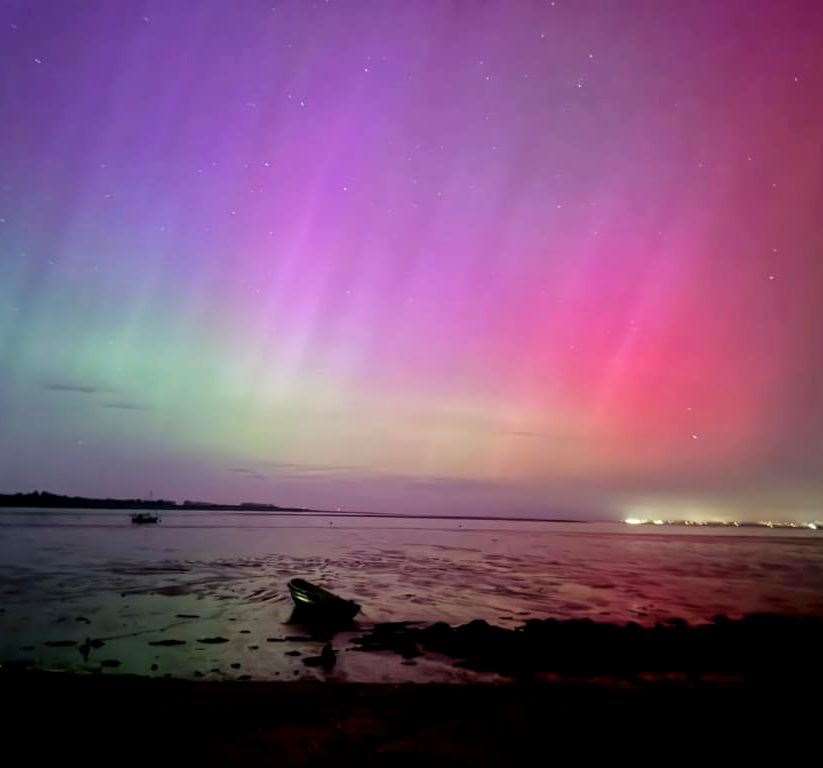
(40,503)
(97,717)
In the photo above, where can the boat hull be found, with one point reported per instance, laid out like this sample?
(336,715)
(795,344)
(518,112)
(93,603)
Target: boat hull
(314,603)
(145,519)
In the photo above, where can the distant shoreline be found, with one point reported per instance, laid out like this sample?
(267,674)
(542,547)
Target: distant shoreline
(46,500)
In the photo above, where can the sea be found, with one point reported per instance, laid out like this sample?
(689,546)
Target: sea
(202,595)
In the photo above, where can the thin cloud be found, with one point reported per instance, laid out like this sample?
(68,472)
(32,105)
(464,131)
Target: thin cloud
(80,389)
(311,468)
(126,406)
(247,472)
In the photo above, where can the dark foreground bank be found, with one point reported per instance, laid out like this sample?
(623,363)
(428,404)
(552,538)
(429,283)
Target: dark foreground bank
(95,719)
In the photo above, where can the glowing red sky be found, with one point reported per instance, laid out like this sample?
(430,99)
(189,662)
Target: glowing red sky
(504,256)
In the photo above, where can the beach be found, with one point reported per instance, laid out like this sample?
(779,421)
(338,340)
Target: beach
(95,719)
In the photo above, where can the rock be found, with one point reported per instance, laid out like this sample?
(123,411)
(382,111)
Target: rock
(245,631)
(235,665)
(82,620)
(275,639)
(87,646)
(253,647)
(213,640)
(437,634)
(60,643)
(327,659)
(187,616)
(293,653)
(167,643)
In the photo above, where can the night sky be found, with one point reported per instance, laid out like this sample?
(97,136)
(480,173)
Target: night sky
(553,258)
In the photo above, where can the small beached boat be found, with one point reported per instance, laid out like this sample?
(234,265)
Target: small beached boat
(318,604)
(144,518)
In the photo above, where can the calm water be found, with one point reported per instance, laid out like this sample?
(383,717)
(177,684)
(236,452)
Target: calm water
(68,575)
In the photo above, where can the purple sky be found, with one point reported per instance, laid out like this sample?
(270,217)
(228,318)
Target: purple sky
(533,257)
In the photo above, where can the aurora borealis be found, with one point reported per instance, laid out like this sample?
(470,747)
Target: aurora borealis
(543,257)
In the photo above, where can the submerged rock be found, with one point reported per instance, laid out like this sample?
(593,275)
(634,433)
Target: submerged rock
(327,659)
(89,645)
(212,640)
(167,643)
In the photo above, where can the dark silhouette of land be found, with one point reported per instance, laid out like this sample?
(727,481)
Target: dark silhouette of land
(44,499)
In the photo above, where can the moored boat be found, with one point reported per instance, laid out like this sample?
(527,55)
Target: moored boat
(317,604)
(144,518)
